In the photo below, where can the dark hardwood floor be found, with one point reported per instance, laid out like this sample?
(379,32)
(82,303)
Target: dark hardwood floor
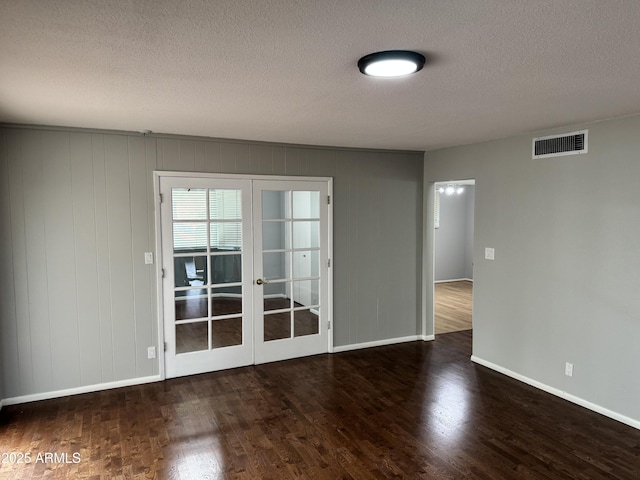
(415,410)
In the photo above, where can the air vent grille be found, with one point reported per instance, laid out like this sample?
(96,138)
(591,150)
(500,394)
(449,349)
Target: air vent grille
(558,145)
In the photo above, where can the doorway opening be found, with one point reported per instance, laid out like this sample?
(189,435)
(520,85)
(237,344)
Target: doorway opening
(454,204)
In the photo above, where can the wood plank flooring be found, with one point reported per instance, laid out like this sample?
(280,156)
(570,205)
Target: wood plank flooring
(453,306)
(419,410)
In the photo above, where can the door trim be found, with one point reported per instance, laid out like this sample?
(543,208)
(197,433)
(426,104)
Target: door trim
(157,175)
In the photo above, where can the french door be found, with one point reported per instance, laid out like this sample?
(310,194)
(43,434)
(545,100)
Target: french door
(291,269)
(245,271)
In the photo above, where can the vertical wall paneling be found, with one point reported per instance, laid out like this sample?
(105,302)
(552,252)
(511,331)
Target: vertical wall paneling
(143,314)
(187,155)
(86,253)
(362,249)
(242,154)
(103,256)
(212,157)
(120,256)
(227,158)
(342,237)
(295,157)
(61,261)
(200,157)
(13,289)
(169,154)
(151,146)
(37,317)
(261,158)
(279,160)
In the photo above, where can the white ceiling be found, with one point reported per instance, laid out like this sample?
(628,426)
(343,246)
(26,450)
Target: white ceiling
(285,70)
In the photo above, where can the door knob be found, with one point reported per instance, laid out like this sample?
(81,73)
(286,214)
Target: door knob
(261,281)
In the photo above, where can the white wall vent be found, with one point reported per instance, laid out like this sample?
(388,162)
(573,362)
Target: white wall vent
(558,145)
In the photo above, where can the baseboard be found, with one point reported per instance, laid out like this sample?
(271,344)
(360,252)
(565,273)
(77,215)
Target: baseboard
(377,343)
(427,338)
(454,280)
(78,390)
(559,393)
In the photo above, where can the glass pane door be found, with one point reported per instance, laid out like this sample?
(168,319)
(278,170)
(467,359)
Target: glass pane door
(207,311)
(245,265)
(291,258)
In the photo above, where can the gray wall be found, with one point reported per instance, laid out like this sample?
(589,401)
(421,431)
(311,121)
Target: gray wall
(564,283)
(454,238)
(77,302)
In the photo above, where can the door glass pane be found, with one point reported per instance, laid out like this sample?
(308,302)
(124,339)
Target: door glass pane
(189,237)
(277,326)
(192,337)
(226,268)
(224,237)
(306,204)
(305,293)
(276,265)
(190,304)
(225,204)
(189,203)
(226,301)
(306,264)
(305,322)
(226,332)
(190,271)
(306,234)
(277,295)
(276,204)
(276,235)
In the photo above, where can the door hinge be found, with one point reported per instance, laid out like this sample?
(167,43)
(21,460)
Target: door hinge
(161,199)
(328,324)
(328,199)
(162,272)
(164,345)
(329,263)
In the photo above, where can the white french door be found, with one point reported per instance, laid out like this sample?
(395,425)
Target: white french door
(245,271)
(291,269)
(207,260)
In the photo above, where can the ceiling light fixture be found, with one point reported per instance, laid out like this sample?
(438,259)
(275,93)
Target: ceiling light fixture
(391,63)
(451,189)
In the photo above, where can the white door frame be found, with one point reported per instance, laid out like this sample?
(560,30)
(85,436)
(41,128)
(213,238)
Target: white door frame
(157,175)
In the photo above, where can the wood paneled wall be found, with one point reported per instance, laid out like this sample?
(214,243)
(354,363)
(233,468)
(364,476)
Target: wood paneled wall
(77,302)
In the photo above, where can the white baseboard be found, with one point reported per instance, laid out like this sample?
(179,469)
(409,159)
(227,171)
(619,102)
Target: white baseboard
(559,393)
(428,338)
(454,280)
(377,343)
(78,390)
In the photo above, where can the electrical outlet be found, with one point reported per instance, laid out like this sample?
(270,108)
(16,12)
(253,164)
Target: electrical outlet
(489,253)
(568,369)
(151,352)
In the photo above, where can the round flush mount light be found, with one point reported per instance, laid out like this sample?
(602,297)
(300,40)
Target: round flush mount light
(391,63)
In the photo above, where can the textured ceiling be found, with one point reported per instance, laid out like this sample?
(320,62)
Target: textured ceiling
(285,70)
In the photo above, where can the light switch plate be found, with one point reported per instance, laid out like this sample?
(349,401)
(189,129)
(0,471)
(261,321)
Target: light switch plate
(148,258)
(489,253)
